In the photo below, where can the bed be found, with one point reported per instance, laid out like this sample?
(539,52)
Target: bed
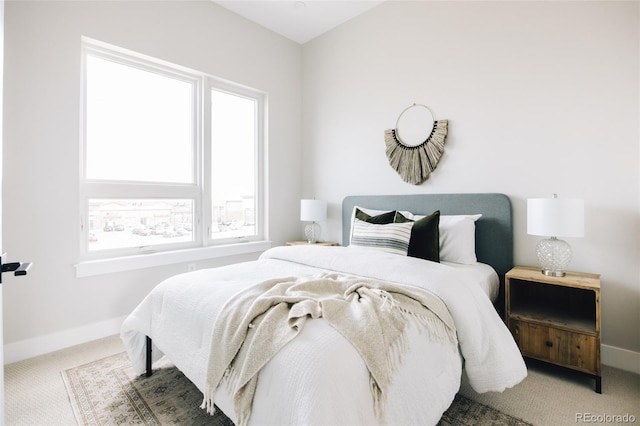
(327,373)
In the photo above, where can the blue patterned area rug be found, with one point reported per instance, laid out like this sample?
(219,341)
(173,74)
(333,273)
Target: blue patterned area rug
(107,392)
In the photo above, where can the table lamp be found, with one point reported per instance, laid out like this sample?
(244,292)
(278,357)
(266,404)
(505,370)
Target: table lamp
(312,211)
(555,217)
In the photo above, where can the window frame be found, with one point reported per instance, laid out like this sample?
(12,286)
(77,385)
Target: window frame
(199,190)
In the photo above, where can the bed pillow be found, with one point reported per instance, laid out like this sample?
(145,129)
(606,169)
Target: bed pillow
(391,237)
(425,236)
(374,212)
(377,216)
(458,238)
(380,219)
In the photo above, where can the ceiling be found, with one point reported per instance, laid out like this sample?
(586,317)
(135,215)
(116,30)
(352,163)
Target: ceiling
(299,21)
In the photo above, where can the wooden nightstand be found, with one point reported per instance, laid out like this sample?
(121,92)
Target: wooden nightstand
(556,319)
(302,243)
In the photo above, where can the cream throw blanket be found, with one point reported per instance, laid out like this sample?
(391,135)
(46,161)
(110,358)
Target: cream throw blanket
(257,322)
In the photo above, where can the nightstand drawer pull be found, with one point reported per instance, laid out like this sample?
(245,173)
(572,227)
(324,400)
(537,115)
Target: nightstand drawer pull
(549,343)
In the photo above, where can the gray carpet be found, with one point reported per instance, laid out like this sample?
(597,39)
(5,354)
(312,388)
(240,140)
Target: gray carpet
(106,392)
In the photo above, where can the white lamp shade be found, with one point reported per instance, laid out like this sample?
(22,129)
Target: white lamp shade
(555,217)
(313,210)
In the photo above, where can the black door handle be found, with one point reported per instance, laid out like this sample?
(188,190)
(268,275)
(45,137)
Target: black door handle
(18,268)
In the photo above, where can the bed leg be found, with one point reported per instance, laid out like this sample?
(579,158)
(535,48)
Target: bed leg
(149,370)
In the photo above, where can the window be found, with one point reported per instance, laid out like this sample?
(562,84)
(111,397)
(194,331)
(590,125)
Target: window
(233,171)
(172,158)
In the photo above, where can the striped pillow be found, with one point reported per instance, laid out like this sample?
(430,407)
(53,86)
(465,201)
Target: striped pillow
(390,237)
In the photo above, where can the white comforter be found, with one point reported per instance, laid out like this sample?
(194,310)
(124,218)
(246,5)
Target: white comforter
(319,378)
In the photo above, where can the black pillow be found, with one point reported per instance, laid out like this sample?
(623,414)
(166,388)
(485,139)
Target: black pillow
(425,236)
(381,219)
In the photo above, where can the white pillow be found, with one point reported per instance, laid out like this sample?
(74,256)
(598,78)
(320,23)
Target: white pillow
(391,237)
(458,238)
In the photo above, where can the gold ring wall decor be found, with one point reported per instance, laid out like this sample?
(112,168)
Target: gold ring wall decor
(415,162)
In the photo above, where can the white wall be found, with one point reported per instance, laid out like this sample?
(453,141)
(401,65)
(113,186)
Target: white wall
(541,98)
(42,93)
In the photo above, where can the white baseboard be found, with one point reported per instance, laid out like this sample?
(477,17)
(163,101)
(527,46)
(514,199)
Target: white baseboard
(24,349)
(623,359)
(613,356)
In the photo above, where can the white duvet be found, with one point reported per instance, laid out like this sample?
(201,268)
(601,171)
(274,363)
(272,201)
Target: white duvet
(319,378)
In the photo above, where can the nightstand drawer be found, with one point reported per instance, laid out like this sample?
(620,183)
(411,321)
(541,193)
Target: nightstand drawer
(562,347)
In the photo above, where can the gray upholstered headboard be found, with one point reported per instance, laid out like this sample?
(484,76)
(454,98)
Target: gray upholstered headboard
(494,230)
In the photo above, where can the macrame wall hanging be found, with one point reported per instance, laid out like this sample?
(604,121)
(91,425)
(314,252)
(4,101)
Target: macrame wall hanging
(409,154)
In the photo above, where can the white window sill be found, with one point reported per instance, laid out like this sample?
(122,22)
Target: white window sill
(107,266)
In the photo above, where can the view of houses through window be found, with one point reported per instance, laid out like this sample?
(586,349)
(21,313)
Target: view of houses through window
(138,223)
(115,224)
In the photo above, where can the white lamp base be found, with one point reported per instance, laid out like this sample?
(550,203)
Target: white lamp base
(312,232)
(554,256)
